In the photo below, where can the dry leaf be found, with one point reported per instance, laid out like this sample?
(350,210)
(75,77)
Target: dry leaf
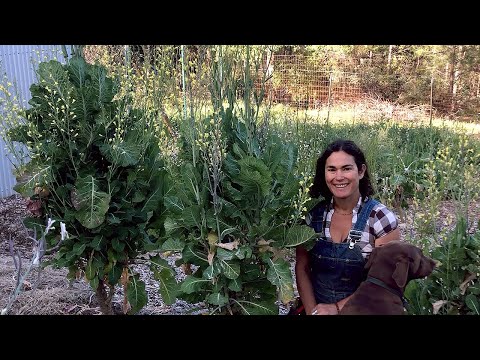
(124,281)
(210,258)
(74,199)
(229,246)
(263,242)
(126,305)
(212,238)
(437,305)
(464,285)
(42,191)
(187,268)
(27,285)
(124,276)
(79,274)
(277,253)
(264,245)
(34,206)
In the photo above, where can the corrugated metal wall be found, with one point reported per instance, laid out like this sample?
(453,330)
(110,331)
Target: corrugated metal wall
(18,62)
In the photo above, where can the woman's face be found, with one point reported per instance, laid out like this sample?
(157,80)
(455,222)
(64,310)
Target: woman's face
(342,175)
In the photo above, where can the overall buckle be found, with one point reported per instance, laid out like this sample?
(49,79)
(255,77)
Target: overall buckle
(354,237)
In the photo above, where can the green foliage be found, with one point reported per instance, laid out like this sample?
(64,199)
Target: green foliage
(453,286)
(98,159)
(238,248)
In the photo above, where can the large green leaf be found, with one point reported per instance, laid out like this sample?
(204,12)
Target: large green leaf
(254,177)
(78,248)
(173,204)
(233,193)
(298,234)
(243,252)
(168,286)
(211,271)
(153,201)
(232,167)
(230,210)
(32,177)
(136,294)
(192,284)
(53,75)
(90,270)
(124,153)
(224,254)
(217,299)
(472,302)
(159,264)
(114,274)
(274,152)
(102,84)
(230,269)
(194,255)
(190,184)
(235,285)
(191,217)
(280,275)
(92,203)
(258,308)
(83,92)
(171,225)
(173,245)
(118,245)
(251,272)
(77,70)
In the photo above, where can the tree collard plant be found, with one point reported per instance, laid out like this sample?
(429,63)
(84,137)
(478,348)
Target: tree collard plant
(453,287)
(94,165)
(233,213)
(233,223)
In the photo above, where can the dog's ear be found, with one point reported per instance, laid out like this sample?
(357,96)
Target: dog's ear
(400,275)
(370,258)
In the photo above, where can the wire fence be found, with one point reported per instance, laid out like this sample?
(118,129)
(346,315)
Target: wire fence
(306,82)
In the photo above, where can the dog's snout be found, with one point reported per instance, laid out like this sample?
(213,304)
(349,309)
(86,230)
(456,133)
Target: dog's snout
(426,266)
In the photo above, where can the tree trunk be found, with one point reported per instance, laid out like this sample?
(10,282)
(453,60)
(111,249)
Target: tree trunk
(452,67)
(389,61)
(478,85)
(104,299)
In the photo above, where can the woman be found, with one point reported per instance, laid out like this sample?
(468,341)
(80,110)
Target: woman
(332,270)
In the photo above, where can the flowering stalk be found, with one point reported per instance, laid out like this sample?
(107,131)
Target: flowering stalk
(35,263)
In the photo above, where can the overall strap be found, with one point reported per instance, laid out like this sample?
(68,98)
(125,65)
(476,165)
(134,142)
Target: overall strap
(317,214)
(355,234)
(365,214)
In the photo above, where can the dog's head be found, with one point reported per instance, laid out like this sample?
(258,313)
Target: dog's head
(400,262)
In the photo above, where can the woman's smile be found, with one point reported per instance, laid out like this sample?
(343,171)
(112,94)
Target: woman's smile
(342,175)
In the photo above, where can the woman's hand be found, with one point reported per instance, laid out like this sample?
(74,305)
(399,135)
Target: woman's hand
(325,309)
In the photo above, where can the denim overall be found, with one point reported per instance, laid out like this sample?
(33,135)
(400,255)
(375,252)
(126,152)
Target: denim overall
(337,269)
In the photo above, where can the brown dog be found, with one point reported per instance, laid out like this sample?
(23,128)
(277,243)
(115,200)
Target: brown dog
(390,268)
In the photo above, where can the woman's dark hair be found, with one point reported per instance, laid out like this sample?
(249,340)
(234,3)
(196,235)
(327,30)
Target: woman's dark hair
(319,186)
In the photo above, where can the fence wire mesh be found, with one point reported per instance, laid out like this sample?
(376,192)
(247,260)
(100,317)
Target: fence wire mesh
(306,82)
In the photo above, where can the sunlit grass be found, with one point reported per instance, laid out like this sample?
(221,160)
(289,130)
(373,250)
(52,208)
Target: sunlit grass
(362,113)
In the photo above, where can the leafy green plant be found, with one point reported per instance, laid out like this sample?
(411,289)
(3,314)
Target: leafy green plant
(233,230)
(453,287)
(235,206)
(95,165)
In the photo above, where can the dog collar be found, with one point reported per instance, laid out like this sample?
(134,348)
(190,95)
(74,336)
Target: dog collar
(385,286)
